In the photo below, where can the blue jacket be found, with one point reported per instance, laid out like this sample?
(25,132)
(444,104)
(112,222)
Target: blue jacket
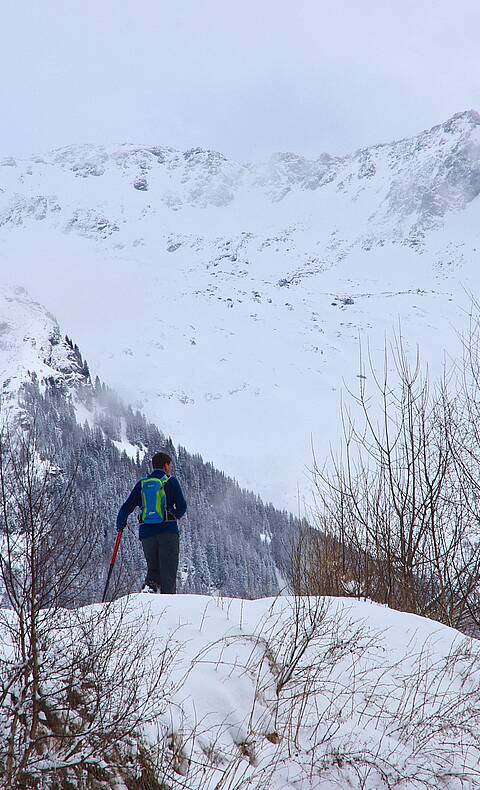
(176,507)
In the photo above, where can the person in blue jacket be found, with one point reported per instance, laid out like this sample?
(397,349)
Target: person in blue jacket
(161,500)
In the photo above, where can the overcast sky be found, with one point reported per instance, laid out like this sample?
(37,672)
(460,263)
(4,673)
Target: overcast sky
(246,77)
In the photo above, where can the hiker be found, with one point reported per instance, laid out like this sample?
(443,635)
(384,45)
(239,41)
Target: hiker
(162,502)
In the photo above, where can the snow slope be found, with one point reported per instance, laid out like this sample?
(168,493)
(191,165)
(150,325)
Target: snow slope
(386,690)
(307,694)
(227,299)
(31,343)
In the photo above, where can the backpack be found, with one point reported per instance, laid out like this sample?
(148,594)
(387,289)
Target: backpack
(154,500)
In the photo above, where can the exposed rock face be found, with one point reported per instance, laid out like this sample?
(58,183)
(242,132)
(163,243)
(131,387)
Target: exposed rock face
(416,180)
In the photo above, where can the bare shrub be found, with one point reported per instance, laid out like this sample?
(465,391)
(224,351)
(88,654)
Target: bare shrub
(75,685)
(397,519)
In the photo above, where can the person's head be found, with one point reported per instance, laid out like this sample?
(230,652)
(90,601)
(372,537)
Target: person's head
(162,461)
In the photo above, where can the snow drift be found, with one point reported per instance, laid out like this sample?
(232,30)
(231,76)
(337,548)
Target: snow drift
(289,694)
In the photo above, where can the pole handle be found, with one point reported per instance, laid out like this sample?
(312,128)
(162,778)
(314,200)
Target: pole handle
(116,546)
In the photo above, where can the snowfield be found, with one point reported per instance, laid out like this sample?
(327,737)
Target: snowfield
(301,694)
(227,299)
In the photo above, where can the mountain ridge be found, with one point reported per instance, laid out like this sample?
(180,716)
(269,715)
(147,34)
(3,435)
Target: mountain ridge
(447,179)
(470,116)
(226,299)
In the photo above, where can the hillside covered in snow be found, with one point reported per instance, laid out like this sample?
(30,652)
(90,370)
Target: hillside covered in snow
(219,694)
(98,446)
(227,299)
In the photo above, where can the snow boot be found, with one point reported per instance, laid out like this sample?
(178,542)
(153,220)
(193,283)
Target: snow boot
(149,588)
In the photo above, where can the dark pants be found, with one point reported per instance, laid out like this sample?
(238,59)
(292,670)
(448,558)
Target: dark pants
(161,553)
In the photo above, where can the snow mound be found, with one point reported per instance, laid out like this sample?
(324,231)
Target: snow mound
(311,693)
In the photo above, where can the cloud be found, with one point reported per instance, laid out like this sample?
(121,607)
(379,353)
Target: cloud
(244,77)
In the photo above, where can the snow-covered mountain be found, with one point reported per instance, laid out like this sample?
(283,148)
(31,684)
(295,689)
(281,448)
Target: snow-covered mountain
(31,344)
(227,299)
(232,543)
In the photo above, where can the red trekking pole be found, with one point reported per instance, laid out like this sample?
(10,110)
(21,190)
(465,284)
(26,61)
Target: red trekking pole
(112,563)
